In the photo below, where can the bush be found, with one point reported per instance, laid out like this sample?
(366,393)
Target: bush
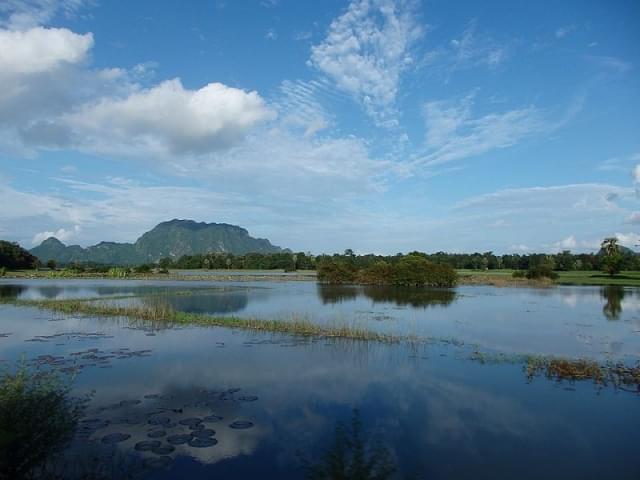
(3,271)
(37,420)
(144,268)
(541,271)
(519,274)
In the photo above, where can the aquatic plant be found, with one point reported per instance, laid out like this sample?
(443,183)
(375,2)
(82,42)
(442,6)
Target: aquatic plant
(118,272)
(158,310)
(37,420)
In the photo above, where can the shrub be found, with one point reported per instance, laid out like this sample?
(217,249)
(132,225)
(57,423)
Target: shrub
(519,274)
(541,271)
(144,268)
(3,271)
(37,420)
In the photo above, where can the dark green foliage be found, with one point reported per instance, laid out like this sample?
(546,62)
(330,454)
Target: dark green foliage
(612,258)
(37,420)
(613,294)
(14,257)
(541,271)
(351,458)
(408,270)
(144,268)
(51,265)
(337,272)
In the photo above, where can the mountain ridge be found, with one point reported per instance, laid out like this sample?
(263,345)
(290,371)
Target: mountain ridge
(172,238)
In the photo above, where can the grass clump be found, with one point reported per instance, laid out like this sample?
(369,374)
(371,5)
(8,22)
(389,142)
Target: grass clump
(37,420)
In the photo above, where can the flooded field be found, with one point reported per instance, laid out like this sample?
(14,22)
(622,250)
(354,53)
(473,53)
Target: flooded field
(180,401)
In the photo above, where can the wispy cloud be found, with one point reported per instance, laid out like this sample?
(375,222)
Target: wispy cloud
(453,133)
(365,52)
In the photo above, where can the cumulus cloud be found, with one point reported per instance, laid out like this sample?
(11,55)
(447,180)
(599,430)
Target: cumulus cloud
(634,218)
(566,243)
(42,106)
(168,118)
(629,240)
(61,234)
(40,50)
(365,52)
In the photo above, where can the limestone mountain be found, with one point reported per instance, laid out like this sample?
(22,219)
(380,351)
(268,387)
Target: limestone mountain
(172,239)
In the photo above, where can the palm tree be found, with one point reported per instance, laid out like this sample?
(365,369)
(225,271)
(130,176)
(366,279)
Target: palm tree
(610,246)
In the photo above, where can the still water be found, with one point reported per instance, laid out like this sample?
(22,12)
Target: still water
(275,403)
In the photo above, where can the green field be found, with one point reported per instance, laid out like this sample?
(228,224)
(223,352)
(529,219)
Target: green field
(629,278)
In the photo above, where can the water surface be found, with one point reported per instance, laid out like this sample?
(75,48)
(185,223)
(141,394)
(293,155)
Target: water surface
(432,411)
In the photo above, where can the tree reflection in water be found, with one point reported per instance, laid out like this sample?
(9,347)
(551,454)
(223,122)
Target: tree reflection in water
(352,457)
(401,296)
(613,295)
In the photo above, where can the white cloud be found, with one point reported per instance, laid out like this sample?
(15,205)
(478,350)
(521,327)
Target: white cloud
(566,243)
(25,14)
(271,34)
(40,50)
(585,197)
(634,218)
(629,240)
(636,173)
(452,133)
(61,234)
(366,50)
(564,31)
(472,50)
(168,119)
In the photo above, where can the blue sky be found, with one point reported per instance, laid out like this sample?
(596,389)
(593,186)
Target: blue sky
(377,125)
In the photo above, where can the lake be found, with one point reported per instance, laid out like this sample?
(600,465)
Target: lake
(458,405)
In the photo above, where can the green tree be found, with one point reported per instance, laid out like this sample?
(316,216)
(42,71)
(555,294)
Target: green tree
(51,265)
(612,259)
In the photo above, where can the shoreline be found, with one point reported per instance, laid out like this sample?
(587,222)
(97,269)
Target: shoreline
(496,278)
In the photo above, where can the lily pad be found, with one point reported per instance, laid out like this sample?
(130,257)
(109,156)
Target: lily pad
(163,449)
(198,442)
(115,438)
(147,445)
(241,425)
(157,434)
(190,421)
(178,439)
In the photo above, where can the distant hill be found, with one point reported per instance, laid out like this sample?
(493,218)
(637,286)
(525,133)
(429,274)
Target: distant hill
(172,239)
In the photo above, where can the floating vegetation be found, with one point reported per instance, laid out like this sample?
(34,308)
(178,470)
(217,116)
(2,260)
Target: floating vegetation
(163,450)
(190,422)
(562,369)
(248,398)
(199,442)
(117,437)
(147,445)
(157,434)
(203,433)
(212,418)
(241,425)
(179,438)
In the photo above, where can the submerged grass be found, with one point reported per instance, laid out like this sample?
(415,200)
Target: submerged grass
(561,369)
(162,312)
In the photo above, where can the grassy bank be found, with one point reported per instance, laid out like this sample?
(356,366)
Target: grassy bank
(505,278)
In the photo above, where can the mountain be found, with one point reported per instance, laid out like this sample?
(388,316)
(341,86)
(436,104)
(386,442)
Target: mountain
(173,239)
